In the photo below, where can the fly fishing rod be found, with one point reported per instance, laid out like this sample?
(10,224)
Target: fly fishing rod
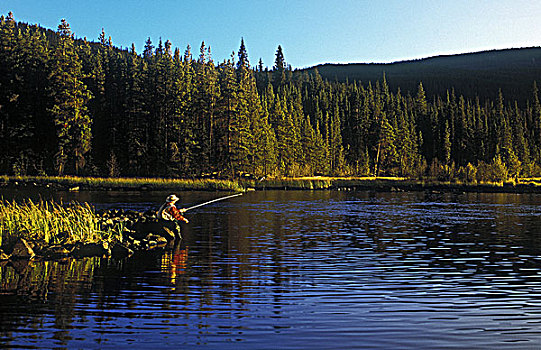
(212,201)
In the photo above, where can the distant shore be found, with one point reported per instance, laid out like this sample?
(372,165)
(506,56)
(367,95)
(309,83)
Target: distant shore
(392,184)
(382,184)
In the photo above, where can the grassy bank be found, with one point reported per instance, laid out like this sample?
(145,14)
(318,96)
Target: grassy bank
(525,185)
(52,223)
(74,182)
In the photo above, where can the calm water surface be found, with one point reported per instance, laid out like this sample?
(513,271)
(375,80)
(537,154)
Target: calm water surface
(296,270)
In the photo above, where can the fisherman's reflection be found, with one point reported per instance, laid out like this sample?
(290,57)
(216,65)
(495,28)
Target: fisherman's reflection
(174,262)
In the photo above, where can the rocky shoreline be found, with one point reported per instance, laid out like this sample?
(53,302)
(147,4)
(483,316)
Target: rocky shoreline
(140,232)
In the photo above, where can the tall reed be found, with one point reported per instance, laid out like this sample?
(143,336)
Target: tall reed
(51,222)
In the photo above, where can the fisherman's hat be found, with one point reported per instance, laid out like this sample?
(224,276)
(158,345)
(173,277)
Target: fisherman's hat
(171,198)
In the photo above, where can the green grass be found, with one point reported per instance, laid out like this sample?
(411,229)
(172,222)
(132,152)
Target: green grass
(129,183)
(51,222)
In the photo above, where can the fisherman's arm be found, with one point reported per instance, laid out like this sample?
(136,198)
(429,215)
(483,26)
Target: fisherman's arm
(177,214)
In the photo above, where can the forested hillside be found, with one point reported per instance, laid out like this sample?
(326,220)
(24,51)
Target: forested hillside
(479,74)
(70,106)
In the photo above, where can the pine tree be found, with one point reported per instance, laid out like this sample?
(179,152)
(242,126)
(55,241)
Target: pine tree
(95,68)
(235,129)
(279,61)
(243,56)
(536,121)
(279,76)
(308,142)
(421,105)
(8,93)
(265,162)
(148,51)
(286,136)
(183,134)
(136,144)
(336,149)
(386,156)
(204,104)
(73,124)
(447,144)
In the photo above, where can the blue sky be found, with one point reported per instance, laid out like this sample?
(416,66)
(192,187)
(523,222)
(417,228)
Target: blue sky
(310,31)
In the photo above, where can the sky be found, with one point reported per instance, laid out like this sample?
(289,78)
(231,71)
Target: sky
(310,32)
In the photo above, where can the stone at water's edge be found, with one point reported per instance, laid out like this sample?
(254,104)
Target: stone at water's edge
(120,250)
(167,229)
(56,252)
(22,250)
(91,249)
(138,225)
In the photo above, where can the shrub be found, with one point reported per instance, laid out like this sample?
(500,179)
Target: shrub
(467,173)
(493,172)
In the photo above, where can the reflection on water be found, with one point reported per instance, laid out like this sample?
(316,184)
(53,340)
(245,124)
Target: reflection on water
(286,269)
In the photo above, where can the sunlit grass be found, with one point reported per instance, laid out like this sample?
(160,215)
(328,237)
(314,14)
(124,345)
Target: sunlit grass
(131,183)
(51,222)
(531,180)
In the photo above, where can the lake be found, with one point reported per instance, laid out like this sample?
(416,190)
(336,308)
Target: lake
(295,270)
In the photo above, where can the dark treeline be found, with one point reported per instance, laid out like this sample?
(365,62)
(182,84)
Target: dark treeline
(70,106)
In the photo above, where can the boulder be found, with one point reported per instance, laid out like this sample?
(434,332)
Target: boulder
(167,229)
(120,251)
(91,249)
(38,246)
(154,241)
(136,228)
(22,250)
(56,252)
(159,240)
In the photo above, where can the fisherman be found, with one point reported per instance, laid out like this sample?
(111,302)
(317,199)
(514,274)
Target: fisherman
(168,211)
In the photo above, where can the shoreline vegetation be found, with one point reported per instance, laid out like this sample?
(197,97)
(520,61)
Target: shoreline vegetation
(392,184)
(50,230)
(52,223)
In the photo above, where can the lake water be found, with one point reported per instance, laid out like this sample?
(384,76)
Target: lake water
(296,270)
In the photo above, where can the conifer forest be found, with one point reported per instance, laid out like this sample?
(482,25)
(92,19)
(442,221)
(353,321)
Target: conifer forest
(70,106)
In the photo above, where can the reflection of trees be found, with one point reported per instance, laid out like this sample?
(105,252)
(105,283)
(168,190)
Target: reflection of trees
(72,292)
(29,287)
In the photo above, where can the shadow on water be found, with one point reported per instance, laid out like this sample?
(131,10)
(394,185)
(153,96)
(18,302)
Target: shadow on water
(322,269)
